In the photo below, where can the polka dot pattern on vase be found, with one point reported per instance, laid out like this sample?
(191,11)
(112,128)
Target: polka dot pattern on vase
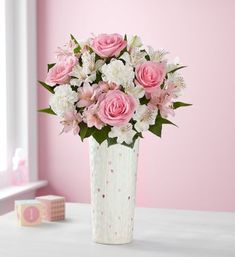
(113,191)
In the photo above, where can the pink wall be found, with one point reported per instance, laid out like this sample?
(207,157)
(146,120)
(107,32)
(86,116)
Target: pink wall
(192,167)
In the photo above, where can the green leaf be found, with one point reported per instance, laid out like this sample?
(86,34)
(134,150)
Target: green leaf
(47,87)
(74,88)
(180,104)
(78,48)
(178,68)
(112,141)
(165,121)
(144,100)
(147,57)
(90,131)
(125,37)
(49,66)
(47,110)
(86,131)
(98,77)
(101,135)
(157,127)
(74,39)
(83,130)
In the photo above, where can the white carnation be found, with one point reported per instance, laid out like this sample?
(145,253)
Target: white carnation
(118,73)
(63,100)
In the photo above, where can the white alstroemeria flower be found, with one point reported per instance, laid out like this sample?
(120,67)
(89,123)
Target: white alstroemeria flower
(85,42)
(99,64)
(173,65)
(86,72)
(126,57)
(134,41)
(157,56)
(81,76)
(66,50)
(124,133)
(63,100)
(144,117)
(135,57)
(117,72)
(89,64)
(136,90)
(177,79)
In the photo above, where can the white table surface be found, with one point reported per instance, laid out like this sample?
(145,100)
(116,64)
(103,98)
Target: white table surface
(158,232)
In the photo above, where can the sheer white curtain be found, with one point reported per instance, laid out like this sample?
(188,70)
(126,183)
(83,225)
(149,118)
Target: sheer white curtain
(18,85)
(3,92)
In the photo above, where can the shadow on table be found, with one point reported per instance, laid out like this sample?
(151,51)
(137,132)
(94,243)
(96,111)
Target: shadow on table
(145,245)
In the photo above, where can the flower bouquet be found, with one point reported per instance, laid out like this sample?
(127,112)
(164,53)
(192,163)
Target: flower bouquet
(112,89)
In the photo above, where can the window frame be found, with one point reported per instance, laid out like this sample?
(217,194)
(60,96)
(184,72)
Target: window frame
(21,79)
(3,93)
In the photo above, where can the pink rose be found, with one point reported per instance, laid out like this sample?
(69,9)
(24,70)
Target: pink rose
(150,75)
(59,74)
(116,108)
(108,45)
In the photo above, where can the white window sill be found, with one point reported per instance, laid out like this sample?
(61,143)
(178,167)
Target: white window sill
(12,191)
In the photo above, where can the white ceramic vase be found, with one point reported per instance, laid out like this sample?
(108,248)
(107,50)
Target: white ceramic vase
(113,186)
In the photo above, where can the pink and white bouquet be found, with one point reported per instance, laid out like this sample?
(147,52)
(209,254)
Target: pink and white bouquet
(113,88)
